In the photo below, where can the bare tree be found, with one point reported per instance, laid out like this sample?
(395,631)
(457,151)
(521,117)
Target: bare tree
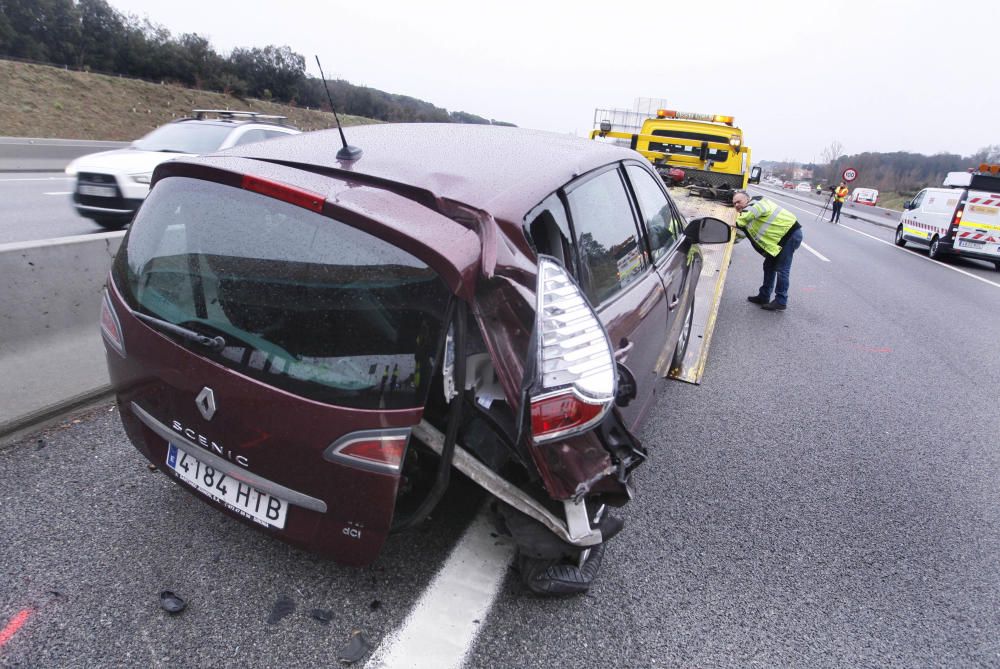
(832,152)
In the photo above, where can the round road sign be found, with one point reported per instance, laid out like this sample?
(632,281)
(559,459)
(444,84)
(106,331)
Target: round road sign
(850,174)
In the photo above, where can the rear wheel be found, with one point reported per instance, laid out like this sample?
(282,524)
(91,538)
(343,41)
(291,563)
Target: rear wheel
(684,339)
(900,241)
(935,249)
(996,263)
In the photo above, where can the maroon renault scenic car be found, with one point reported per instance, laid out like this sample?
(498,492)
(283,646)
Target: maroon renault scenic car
(310,342)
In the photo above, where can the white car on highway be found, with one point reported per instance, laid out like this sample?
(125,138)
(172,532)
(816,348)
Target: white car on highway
(111,185)
(804,187)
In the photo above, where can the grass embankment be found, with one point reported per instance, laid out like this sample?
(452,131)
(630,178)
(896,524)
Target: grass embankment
(43,101)
(892,200)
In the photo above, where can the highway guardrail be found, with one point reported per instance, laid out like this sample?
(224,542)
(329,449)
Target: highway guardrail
(51,353)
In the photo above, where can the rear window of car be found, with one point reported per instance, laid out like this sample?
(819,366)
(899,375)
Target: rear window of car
(305,303)
(185,138)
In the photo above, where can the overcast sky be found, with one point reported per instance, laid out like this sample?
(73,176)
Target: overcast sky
(879,75)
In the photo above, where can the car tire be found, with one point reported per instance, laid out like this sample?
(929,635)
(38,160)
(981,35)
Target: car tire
(684,339)
(110,223)
(996,264)
(934,251)
(900,240)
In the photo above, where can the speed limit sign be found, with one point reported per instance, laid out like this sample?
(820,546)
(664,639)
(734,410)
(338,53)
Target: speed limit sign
(850,174)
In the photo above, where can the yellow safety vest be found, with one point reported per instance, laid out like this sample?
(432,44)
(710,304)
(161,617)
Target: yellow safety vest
(840,194)
(766,224)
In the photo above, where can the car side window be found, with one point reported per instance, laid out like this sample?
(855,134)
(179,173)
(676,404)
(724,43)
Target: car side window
(663,226)
(606,237)
(251,136)
(918,199)
(548,228)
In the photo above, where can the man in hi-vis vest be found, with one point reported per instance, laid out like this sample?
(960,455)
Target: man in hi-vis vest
(775,233)
(839,195)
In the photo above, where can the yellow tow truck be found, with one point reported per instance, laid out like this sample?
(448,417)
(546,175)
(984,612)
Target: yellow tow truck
(702,151)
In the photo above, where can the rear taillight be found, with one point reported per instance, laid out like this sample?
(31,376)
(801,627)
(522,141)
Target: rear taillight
(374,450)
(956,219)
(110,327)
(576,370)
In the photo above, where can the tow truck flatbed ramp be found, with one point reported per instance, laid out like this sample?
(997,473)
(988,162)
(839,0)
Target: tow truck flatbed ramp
(715,266)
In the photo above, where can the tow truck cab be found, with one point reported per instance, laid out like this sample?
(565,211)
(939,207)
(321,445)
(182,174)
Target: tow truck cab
(709,148)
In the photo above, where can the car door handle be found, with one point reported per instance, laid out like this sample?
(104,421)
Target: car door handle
(674,302)
(621,354)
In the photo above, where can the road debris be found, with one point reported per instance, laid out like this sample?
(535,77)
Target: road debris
(282,608)
(355,649)
(171,603)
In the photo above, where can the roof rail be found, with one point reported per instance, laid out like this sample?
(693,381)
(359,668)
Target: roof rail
(201,114)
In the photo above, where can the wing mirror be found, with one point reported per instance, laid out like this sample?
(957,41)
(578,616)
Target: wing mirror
(754,176)
(708,230)
(908,205)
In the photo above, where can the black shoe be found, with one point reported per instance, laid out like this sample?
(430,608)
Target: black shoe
(756,299)
(774,306)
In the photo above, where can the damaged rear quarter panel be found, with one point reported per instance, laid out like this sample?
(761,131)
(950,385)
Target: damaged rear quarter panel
(505,311)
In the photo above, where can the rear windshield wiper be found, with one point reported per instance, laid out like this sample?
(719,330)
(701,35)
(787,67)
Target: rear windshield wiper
(214,343)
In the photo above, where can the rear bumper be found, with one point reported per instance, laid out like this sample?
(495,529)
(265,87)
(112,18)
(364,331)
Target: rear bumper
(949,246)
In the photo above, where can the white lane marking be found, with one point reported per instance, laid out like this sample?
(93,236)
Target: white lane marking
(815,252)
(439,631)
(915,254)
(40,179)
(61,192)
(907,251)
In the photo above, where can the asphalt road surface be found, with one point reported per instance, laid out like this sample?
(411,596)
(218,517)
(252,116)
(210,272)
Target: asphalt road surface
(39,205)
(828,497)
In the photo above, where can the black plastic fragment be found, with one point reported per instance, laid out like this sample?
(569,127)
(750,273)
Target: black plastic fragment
(375,605)
(558,577)
(171,603)
(355,649)
(322,615)
(282,607)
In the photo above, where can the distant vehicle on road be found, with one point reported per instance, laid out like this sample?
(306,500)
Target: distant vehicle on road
(962,218)
(868,196)
(111,185)
(804,187)
(789,185)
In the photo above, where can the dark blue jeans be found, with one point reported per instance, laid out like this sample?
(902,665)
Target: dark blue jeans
(835,214)
(780,268)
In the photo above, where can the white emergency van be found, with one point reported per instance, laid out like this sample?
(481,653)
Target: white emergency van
(867,196)
(960,219)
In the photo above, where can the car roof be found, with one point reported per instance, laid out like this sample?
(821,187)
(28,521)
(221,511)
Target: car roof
(502,170)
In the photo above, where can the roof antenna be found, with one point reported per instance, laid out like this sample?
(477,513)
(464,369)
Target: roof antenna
(347,152)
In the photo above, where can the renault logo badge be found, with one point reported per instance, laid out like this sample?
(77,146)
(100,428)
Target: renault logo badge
(206,403)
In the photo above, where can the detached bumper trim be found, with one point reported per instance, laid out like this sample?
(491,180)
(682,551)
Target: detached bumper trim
(229,468)
(575,530)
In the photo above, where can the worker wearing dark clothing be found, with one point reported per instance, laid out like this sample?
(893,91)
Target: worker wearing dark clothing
(775,233)
(839,195)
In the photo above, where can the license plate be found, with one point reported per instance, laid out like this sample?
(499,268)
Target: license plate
(235,495)
(99,191)
(970,243)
